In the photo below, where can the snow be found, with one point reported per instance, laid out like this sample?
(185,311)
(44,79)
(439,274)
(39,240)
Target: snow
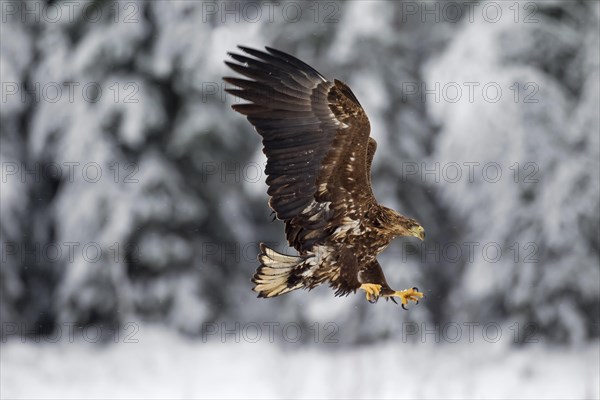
(163,364)
(543,206)
(193,223)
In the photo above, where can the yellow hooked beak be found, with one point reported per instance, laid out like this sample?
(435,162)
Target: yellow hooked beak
(418,232)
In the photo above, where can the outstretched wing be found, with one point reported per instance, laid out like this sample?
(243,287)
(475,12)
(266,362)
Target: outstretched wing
(316,139)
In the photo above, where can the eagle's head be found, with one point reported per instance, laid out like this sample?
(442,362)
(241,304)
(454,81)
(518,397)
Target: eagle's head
(415,230)
(399,225)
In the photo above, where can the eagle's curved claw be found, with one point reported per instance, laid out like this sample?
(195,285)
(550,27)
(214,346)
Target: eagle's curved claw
(372,291)
(406,296)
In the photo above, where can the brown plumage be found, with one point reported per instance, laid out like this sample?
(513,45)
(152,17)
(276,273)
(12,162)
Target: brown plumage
(319,154)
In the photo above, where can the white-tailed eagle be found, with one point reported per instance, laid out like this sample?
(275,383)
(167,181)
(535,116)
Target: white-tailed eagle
(319,154)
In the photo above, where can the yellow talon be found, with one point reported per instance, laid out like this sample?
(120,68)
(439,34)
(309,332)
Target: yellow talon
(406,296)
(372,291)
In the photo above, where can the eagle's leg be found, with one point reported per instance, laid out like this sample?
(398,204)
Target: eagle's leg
(372,291)
(405,296)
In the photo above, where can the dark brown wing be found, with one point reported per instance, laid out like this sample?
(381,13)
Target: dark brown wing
(315,136)
(372,147)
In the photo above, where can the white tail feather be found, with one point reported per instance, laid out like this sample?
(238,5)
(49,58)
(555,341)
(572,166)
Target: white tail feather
(272,277)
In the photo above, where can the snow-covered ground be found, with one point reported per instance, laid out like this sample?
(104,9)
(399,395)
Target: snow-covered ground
(163,364)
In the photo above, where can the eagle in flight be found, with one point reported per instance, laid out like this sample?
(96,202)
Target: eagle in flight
(319,154)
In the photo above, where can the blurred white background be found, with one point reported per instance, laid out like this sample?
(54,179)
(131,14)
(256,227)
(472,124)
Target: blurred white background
(133,199)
